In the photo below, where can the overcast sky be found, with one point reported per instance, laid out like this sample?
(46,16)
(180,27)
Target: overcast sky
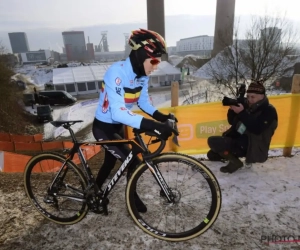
(44,20)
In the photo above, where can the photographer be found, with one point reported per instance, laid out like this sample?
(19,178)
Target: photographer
(253,124)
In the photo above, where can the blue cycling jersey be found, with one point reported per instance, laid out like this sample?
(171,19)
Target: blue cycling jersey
(120,90)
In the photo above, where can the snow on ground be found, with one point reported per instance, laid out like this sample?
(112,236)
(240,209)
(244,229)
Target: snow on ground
(36,76)
(260,206)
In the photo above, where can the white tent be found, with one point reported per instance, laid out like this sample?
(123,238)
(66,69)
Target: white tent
(87,79)
(79,80)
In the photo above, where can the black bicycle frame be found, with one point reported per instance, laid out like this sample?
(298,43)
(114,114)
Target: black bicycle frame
(137,146)
(136,149)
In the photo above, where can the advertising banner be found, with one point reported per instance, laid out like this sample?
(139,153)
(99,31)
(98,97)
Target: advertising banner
(198,122)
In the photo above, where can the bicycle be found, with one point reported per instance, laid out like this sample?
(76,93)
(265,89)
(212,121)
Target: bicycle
(182,195)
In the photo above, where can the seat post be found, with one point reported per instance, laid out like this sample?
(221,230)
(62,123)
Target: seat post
(73,135)
(68,127)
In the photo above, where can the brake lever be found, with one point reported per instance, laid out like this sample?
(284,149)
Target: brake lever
(174,126)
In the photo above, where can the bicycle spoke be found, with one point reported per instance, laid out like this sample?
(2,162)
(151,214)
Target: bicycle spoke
(57,193)
(196,202)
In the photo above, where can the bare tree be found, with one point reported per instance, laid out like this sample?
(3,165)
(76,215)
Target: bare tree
(263,54)
(269,43)
(226,69)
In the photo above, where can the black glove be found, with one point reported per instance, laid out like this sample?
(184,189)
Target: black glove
(158,116)
(161,129)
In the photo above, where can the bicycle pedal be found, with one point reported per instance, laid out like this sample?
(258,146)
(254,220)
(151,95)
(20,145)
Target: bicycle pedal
(97,210)
(48,199)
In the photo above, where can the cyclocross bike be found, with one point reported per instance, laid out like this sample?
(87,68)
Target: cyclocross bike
(182,195)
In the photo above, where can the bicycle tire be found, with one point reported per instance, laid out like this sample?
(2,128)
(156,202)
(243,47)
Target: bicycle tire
(158,224)
(40,172)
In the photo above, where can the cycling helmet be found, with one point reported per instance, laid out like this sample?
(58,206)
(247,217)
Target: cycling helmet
(151,41)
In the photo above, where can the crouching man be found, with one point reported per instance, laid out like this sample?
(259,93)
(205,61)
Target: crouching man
(252,127)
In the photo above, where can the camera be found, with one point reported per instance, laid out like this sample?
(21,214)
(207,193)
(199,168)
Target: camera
(240,97)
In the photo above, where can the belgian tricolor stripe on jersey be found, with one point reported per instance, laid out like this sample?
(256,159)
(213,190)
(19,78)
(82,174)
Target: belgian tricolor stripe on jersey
(132,95)
(102,86)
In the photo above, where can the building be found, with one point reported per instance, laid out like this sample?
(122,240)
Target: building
(40,56)
(103,44)
(90,51)
(271,34)
(171,50)
(112,56)
(224,25)
(75,47)
(197,45)
(18,42)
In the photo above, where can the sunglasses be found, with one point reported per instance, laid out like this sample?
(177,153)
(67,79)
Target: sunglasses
(154,61)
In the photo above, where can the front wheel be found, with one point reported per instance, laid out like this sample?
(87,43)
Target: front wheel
(197,200)
(55,186)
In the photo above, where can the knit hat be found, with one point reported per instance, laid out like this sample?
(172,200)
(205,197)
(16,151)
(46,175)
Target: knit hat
(256,87)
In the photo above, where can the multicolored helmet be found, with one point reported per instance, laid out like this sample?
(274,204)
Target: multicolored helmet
(151,41)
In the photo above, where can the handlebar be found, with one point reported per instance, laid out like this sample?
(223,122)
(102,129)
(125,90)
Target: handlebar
(171,123)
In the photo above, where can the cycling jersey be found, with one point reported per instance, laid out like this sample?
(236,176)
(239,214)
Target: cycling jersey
(120,90)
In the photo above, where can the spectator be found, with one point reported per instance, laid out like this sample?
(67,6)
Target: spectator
(252,127)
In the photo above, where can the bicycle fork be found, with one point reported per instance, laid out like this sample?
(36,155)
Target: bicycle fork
(165,189)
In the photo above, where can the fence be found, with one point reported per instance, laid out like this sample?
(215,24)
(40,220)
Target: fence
(6,137)
(13,162)
(10,145)
(198,122)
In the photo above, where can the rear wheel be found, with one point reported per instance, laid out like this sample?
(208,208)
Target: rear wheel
(56,187)
(197,198)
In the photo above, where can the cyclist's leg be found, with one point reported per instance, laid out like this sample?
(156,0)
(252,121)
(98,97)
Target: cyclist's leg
(106,131)
(141,207)
(108,164)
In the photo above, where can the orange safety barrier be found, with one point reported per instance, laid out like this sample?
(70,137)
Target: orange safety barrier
(22,138)
(13,162)
(46,146)
(67,144)
(4,137)
(33,146)
(7,146)
(38,137)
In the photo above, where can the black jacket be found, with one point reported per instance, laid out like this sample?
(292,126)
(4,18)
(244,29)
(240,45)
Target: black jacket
(261,121)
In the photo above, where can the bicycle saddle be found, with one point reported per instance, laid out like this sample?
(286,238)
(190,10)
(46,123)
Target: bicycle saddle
(64,122)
